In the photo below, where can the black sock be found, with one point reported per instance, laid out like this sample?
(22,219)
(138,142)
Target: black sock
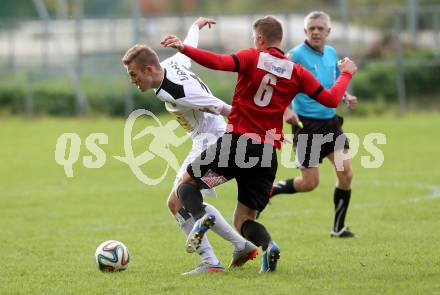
(341,199)
(256,233)
(284,187)
(192,199)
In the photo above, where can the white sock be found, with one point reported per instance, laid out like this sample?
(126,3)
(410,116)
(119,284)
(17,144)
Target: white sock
(224,229)
(205,251)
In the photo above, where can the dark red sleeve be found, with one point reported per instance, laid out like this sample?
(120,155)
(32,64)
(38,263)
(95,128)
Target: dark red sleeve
(328,97)
(245,58)
(210,59)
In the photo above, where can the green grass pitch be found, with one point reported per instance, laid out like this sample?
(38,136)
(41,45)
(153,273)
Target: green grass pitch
(50,225)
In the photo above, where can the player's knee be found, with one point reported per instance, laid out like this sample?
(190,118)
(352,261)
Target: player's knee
(173,203)
(182,189)
(346,176)
(310,184)
(192,182)
(239,219)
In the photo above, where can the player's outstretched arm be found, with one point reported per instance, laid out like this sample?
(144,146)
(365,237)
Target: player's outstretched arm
(205,58)
(333,96)
(192,38)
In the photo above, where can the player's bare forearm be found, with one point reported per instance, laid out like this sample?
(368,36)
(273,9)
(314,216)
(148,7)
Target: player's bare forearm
(192,38)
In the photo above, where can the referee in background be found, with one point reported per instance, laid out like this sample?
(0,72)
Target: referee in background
(310,117)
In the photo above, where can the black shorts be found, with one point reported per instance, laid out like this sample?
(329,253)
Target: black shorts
(252,164)
(317,139)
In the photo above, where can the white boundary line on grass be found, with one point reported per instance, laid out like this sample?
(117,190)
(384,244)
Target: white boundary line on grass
(433,195)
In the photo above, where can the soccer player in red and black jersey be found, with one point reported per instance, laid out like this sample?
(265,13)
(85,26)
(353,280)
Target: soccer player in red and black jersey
(267,82)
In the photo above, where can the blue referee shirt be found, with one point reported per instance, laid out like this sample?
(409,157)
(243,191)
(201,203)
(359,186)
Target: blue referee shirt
(324,67)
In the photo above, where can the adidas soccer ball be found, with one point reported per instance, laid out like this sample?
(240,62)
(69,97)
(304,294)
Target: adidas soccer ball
(112,256)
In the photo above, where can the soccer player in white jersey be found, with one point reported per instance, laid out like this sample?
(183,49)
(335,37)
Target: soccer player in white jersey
(199,113)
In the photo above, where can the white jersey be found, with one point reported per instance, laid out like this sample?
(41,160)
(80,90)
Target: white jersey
(187,97)
(191,101)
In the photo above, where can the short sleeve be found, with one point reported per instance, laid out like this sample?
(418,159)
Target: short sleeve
(338,72)
(295,56)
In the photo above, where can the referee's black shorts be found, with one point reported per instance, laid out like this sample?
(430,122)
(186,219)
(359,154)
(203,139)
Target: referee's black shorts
(252,164)
(309,153)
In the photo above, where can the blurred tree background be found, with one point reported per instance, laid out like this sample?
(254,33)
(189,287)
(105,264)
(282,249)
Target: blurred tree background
(386,74)
(100,8)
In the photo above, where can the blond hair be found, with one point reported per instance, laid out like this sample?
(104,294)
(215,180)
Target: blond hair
(316,15)
(142,55)
(270,27)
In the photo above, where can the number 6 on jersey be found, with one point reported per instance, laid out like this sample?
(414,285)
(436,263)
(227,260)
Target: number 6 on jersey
(264,92)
